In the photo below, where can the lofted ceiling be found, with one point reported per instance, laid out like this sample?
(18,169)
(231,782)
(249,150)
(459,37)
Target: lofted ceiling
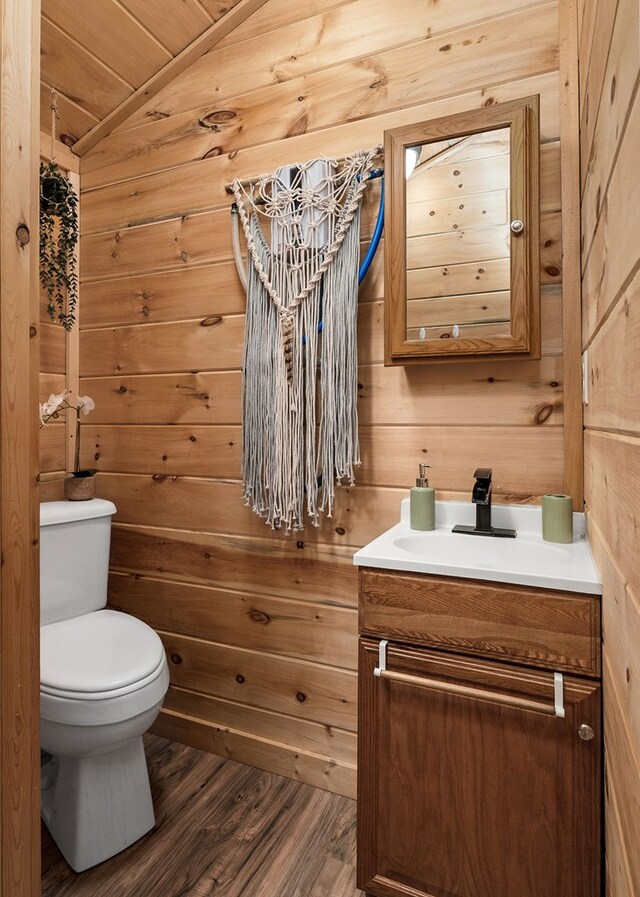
(97,53)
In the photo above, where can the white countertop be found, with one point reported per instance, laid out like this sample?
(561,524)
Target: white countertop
(527,560)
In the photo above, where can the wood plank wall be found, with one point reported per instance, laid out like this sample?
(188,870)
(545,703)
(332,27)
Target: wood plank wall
(97,55)
(610,148)
(261,628)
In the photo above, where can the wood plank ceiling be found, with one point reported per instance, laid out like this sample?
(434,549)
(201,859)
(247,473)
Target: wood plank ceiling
(96,53)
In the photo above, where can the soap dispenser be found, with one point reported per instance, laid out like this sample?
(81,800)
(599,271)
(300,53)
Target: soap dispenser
(423,503)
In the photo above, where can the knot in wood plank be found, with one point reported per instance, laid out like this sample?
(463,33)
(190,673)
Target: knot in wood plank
(259,616)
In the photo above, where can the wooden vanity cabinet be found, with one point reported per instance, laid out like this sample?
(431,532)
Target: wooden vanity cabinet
(469,782)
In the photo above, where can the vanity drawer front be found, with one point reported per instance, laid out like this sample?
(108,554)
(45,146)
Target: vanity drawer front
(546,629)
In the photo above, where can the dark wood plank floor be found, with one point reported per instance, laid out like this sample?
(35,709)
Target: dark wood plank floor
(225,830)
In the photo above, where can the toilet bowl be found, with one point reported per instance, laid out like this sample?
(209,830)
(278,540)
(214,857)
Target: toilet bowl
(103,678)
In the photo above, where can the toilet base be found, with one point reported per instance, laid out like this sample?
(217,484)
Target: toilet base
(95,806)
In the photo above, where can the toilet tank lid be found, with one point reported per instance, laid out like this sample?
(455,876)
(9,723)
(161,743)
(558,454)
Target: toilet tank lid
(52,512)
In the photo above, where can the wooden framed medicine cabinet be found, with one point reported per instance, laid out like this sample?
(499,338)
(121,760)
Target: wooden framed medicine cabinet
(462,236)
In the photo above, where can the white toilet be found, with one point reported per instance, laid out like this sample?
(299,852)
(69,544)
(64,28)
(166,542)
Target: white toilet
(103,678)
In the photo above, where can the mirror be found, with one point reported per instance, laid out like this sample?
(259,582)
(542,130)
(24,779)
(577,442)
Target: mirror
(457,210)
(461,246)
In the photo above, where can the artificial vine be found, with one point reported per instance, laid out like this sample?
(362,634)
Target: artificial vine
(58,241)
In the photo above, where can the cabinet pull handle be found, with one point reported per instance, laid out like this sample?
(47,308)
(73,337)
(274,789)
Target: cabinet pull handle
(557,709)
(469,692)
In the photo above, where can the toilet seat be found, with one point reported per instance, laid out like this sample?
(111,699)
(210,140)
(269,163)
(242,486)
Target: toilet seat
(99,668)
(97,652)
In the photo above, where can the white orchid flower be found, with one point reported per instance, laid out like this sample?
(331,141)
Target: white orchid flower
(86,404)
(65,401)
(53,403)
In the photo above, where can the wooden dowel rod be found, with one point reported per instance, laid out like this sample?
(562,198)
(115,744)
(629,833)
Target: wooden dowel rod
(245,183)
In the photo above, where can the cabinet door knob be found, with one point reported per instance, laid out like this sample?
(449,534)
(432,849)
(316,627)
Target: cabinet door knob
(585,732)
(517,226)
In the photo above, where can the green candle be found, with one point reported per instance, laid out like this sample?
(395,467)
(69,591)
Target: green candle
(557,518)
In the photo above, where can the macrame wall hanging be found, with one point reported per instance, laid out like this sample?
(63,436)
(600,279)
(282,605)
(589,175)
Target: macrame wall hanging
(300,424)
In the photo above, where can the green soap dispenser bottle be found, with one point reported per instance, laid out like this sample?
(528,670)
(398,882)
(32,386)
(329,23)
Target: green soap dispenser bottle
(423,503)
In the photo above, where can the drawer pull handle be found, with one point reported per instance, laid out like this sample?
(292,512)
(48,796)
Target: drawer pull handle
(557,709)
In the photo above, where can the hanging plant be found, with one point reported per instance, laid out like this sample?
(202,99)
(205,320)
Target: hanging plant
(58,241)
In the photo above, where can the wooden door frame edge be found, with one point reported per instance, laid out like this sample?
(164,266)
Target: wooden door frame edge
(19,364)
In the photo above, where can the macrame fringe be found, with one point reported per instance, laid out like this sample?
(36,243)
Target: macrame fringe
(300,431)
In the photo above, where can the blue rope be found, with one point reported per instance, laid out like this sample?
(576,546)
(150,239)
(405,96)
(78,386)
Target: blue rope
(377,231)
(375,238)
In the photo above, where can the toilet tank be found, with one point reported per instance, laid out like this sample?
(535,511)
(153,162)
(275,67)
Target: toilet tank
(74,557)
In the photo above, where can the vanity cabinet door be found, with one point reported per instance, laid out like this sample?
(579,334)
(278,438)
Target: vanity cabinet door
(469,785)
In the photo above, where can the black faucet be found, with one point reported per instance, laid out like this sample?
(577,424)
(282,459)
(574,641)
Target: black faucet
(481,498)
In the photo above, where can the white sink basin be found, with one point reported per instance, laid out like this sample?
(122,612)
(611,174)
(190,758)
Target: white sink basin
(526,560)
(450,548)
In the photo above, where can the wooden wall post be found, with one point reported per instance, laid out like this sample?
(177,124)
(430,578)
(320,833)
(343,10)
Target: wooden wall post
(19,343)
(52,471)
(72,345)
(571,274)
